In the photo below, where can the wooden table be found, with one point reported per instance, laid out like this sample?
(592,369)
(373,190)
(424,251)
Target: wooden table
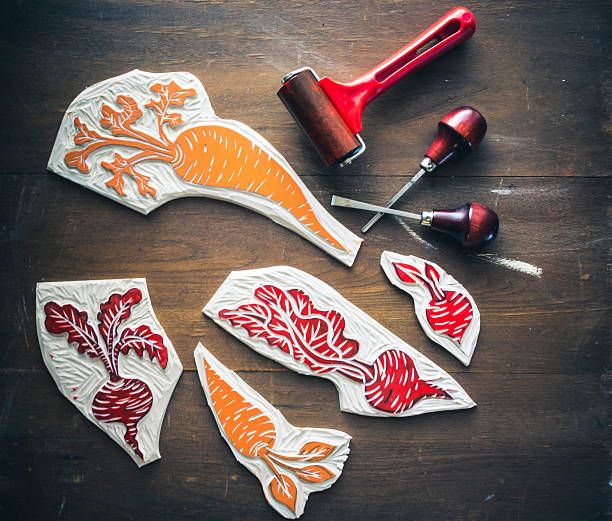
(535,448)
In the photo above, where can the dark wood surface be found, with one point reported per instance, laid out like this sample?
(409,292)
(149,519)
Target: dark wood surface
(536,447)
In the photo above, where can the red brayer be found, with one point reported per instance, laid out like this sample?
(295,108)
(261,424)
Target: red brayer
(330,112)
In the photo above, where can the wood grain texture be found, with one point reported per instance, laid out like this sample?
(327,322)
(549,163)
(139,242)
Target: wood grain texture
(535,448)
(536,70)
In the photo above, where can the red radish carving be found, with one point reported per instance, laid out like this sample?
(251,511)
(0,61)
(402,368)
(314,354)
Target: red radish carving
(123,400)
(449,313)
(289,321)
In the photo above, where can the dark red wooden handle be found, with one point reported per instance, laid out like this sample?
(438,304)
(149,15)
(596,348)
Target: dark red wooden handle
(474,225)
(459,131)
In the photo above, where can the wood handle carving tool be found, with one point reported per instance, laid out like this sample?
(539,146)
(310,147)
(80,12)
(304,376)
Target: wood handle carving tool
(474,225)
(459,132)
(330,112)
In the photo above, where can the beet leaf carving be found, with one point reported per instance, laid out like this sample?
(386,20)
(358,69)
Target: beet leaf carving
(142,340)
(68,319)
(120,399)
(114,311)
(289,320)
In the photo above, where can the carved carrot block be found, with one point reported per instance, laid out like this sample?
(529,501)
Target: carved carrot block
(304,324)
(290,462)
(143,139)
(446,311)
(110,357)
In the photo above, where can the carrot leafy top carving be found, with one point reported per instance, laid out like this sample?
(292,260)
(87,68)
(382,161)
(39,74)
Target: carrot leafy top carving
(121,123)
(169,95)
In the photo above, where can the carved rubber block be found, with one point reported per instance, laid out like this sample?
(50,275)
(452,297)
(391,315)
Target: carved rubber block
(290,462)
(304,324)
(160,130)
(446,311)
(110,357)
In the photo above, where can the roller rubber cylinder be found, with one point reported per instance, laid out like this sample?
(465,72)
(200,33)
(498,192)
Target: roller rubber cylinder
(318,118)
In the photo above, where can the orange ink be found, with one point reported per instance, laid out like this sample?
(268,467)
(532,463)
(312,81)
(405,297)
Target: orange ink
(246,426)
(252,432)
(210,155)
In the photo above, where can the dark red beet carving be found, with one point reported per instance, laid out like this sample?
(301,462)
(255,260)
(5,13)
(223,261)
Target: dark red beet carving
(448,312)
(396,385)
(124,400)
(288,320)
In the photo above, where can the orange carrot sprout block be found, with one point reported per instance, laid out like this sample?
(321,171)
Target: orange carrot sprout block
(144,139)
(290,462)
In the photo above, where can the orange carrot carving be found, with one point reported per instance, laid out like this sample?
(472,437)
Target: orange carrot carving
(247,427)
(212,155)
(251,426)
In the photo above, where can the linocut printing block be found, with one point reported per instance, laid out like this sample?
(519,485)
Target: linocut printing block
(444,308)
(290,462)
(110,357)
(299,321)
(143,139)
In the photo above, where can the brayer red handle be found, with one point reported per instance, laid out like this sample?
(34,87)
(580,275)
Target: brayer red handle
(452,29)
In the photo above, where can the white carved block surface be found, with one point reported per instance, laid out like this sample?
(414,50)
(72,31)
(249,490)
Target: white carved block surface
(110,357)
(299,321)
(444,308)
(290,462)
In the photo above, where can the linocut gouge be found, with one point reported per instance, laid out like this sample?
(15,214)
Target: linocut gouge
(330,112)
(474,225)
(459,132)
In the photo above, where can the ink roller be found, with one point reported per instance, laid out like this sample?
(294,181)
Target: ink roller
(330,112)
